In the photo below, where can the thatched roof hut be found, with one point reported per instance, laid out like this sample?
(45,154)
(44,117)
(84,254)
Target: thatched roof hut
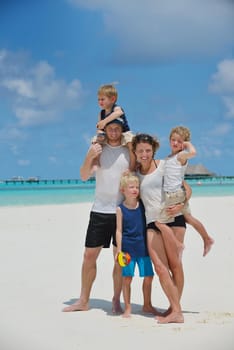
(197,170)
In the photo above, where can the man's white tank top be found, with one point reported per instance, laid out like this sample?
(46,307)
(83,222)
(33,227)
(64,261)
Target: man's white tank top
(113,162)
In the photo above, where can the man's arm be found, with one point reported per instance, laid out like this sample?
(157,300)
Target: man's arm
(90,162)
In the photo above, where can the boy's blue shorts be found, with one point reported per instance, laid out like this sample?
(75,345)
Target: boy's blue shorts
(144,266)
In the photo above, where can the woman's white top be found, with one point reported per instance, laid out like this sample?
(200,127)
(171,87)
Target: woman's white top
(151,192)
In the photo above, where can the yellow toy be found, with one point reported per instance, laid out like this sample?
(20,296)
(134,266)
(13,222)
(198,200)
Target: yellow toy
(124,259)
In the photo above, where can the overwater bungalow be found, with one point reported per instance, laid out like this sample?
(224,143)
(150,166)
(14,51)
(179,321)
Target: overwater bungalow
(33,179)
(198,171)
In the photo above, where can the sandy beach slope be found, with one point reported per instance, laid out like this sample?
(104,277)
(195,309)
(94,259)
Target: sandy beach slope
(40,259)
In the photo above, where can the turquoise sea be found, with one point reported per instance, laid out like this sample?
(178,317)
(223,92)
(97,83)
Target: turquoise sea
(15,193)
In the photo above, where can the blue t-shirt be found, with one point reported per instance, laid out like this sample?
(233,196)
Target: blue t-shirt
(123,117)
(134,231)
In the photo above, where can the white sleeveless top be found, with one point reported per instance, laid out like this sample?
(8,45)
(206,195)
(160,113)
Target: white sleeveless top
(151,192)
(173,174)
(113,162)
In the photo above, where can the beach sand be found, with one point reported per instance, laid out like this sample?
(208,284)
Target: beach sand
(40,260)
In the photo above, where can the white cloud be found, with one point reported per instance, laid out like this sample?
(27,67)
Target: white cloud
(87,138)
(155,30)
(209,151)
(217,153)
(229,103)
(11,133)
(222,83)
(221,129)
(13,137)
(53,159)
(223,79)
(29,116)
(210,146)
(212,143)
(20,87)
(37,95)
(23,162)
(15,149)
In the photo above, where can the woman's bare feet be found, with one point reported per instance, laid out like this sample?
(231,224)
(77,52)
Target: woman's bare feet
(150,310)
(127,313)
(173,317)
(207,245)
(77,306)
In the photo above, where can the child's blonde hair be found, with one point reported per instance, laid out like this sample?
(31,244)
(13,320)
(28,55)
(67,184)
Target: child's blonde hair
(126,178)
(108,90)
(182,131)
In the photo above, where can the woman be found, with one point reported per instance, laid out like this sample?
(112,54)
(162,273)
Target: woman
(168,267)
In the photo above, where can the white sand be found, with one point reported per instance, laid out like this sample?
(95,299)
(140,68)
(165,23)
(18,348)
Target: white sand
(40,259)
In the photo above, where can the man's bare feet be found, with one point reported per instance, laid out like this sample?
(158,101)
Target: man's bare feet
(116,307)
(173,317)
(77,306)
(207,245)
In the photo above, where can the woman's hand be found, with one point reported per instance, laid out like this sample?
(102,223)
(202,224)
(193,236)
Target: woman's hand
(175,209)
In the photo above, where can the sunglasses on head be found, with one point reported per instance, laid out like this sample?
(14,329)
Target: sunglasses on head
(144,138)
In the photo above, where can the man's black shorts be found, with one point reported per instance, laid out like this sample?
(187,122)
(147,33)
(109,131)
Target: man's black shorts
(101,230)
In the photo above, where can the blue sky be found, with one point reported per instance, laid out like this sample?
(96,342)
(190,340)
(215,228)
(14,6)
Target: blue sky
(172,61)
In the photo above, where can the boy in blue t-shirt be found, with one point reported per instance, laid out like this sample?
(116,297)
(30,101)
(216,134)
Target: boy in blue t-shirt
(131,238)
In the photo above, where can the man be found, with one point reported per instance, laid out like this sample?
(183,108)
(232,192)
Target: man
(113,160)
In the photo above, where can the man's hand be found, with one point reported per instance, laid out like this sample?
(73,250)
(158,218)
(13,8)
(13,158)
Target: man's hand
(90,162)
(95,150)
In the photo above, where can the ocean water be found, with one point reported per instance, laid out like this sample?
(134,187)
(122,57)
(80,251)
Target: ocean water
(15,193)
